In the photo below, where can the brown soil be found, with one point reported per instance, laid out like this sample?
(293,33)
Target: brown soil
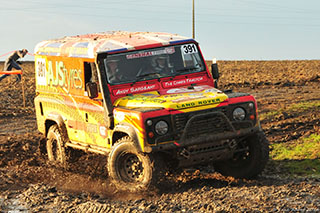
(28,183)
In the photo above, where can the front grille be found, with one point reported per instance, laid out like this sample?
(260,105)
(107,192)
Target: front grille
(180,121)
(211,121)
(242,125)
(207,123)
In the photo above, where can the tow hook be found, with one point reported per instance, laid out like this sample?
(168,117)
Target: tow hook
(185,153)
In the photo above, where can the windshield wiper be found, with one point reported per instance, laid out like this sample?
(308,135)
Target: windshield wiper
(146,75)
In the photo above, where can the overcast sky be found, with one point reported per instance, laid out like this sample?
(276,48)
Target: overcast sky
(225,29)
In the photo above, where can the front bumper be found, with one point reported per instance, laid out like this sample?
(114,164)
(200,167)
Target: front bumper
(208,128)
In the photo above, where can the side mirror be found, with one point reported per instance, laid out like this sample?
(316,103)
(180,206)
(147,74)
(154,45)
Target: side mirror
(92,89)
(214,69)
(215,72)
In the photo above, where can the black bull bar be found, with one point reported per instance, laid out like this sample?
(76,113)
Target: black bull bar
(198,131)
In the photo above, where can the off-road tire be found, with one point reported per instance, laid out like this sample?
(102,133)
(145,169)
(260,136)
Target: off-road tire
(55,147)
(131,170)
(247,164)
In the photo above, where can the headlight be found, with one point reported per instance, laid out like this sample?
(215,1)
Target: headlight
(161,127)
(239,114)
(149,122)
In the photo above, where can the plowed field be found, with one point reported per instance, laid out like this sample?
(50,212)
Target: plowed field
(288,93)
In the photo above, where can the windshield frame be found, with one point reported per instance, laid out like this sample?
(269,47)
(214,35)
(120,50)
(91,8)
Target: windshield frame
(172,52)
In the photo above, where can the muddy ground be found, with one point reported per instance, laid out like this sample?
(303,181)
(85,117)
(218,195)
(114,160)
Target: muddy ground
(29,184)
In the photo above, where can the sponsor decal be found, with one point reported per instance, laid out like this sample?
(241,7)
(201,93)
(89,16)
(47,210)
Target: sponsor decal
(63,77)
(79,125)
(150,95)
(119,116)
(213,90)
(78,49)
(103,131)
(142,54)
(198,103)
(135,89)
(183,82)
(139,99)
(186,105)
(92,128)
(187,98)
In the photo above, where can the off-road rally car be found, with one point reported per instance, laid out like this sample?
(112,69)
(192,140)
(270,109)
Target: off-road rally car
(148,102)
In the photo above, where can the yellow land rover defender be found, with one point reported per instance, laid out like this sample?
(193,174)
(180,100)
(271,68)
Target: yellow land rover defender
(147,101)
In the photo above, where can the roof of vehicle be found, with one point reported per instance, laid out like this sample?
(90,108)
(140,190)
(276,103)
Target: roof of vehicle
(87,46)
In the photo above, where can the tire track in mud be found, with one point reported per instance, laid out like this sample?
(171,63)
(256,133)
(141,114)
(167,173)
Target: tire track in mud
(28,183)
(20,125)
(85,186)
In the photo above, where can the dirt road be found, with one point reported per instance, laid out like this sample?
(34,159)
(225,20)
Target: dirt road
(28,183)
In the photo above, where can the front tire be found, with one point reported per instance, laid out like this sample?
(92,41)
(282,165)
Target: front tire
(248,163)
(55,148)
(129,169)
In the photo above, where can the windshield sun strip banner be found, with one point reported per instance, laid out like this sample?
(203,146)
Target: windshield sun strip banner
(142,54)
(135,89)
(184,82)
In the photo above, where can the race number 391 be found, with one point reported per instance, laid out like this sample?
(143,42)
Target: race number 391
(41,71)
(189,49)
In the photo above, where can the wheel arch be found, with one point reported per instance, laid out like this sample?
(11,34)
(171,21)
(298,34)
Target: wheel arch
(57,119)
(53,119)
(125,129)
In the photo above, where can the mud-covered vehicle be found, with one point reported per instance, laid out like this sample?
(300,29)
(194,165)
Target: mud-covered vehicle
(147,101)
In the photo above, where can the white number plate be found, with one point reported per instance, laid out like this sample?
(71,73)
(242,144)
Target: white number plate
(189,49)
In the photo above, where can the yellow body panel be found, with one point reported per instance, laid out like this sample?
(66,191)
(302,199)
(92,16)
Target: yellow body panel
(61,92)
(198,98)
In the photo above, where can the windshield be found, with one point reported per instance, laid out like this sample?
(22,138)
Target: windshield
(153,63)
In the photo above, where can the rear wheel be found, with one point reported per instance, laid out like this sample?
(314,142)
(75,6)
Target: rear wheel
(251,159)
(129,169)
(55,149)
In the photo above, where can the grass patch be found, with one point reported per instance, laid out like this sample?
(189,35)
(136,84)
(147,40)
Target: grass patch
(305,167)
(306,148)
(269,115)
(304,106)
(293,108)
(302,158)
